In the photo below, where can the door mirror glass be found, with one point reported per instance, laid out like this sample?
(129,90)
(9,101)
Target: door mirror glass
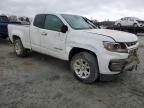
(64,29)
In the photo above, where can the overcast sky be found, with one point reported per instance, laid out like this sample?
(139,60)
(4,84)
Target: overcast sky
(96,9)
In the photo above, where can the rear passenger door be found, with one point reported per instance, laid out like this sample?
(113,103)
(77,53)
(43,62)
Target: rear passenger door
(52,39)
(35,32)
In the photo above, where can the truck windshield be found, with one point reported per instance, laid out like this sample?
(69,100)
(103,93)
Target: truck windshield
(78,22)
(3,19)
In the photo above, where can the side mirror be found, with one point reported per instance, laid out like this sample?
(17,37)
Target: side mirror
(64,29)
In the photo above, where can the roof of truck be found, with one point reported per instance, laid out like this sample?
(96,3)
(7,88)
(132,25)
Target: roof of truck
(57,13)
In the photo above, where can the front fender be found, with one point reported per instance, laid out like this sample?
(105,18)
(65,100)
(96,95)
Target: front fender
(82,46)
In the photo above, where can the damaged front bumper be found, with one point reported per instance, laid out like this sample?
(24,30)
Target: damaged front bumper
(120,65)
(125,64)
(131,63)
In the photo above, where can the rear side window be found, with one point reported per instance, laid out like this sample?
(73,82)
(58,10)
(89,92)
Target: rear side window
(52,22)
(39,21)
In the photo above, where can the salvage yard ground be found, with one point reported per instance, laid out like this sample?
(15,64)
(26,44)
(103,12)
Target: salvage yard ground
(41,81)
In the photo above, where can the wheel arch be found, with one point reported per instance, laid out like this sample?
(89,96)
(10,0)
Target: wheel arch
(14,37)
(76,50)
(135,23)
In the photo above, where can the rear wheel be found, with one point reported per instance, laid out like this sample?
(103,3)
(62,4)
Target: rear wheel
(19,49)
(135,25)
(118,25)
(85,67)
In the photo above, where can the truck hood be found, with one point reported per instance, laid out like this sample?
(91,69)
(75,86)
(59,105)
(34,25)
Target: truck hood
(118,36)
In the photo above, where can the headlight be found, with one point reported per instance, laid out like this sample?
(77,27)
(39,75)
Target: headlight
(115,47)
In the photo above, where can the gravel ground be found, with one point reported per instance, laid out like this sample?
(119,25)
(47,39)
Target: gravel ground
(141,41)
(41,81)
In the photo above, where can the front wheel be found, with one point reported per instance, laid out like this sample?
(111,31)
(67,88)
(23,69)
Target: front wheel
(85,67)
(19,49)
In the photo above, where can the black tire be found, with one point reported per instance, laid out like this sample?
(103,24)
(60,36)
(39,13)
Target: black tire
(135,25)
(118,25)
(19,49)
(93,64)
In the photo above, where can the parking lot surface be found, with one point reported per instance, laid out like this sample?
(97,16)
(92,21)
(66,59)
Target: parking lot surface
(40,81)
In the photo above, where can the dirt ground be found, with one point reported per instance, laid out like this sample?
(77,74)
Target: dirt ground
(41,81)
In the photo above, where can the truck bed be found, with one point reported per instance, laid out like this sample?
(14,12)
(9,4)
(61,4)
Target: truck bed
(17,29)
(4,28)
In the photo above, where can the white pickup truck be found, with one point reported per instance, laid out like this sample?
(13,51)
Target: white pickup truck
(93,53)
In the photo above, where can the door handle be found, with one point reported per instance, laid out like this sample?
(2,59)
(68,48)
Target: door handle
(44,34)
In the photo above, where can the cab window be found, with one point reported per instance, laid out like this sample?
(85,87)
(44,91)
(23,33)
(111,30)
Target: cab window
(53,23)
(39,21)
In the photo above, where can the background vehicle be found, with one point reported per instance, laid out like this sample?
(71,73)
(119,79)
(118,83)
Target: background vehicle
(4,21)
(3,26)
(130,22)
(92,53)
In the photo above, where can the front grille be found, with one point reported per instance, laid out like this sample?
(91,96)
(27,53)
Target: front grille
(131,43)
